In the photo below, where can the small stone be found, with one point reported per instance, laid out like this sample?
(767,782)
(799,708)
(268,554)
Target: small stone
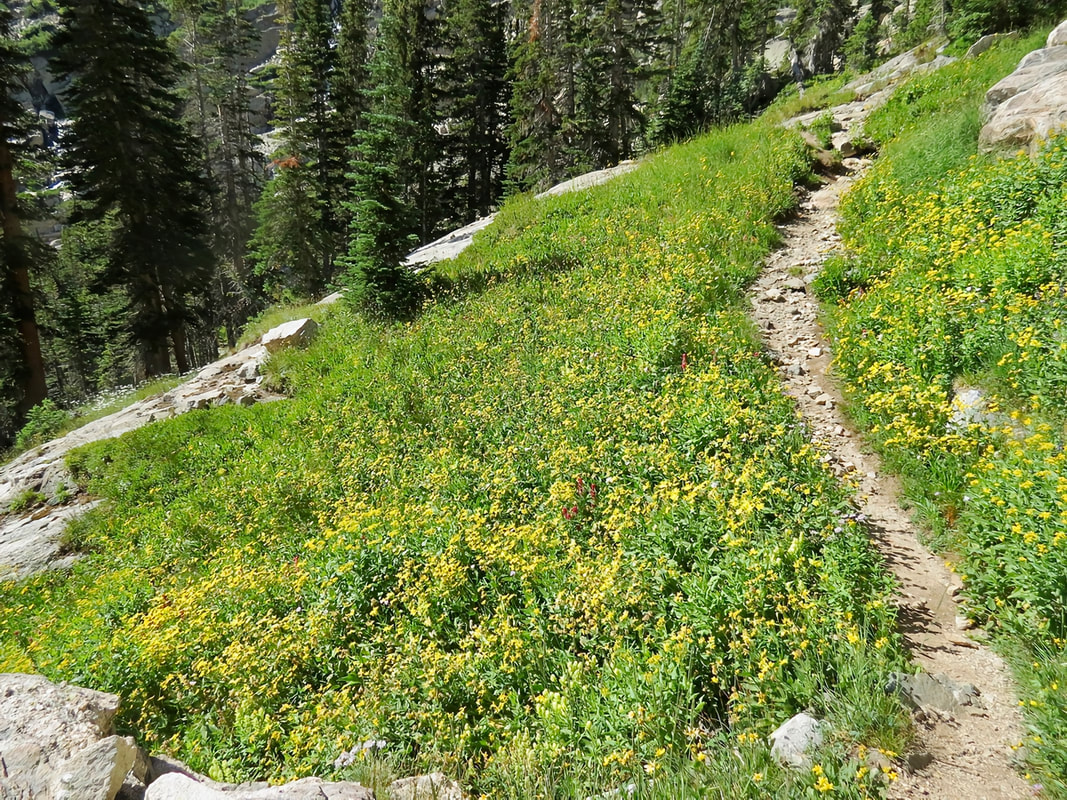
(815,352)
(825,400)
(796,285)
(793,741)
(773,295)
(918,761)
(963,623)
(813,391)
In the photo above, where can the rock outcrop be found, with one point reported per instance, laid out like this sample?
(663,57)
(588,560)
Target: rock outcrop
(924,58)
(57,742)
(176,786)
(435,786)
(1028,106)
(295,333)
(32,541)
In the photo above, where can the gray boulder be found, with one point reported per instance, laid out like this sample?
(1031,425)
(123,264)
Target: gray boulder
(434,786)
(987,41)
(1034,69)
(57,742)
(795,739)
(1029,105)
(1058,36)
(295,333)
(1028,118)
(932,691)
(177,786)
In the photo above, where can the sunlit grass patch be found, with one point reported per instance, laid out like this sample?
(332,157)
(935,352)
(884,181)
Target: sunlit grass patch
(563,529)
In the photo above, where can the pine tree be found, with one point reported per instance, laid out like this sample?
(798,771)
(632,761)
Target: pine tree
(711,83)
(352,76)
(301,229)
(543,99)
(130,158)
(217,41)
(14,253)
(384,215)
(619,41)
(475,107)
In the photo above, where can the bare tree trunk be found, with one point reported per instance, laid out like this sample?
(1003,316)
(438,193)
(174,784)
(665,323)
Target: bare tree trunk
(34,388)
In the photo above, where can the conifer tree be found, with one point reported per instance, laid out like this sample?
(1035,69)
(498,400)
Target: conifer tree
(709,83)
(130,158)
(475,107)
(385,218)
(218,40)
(619,41)
(18,303)
(544,91)
(352,75)
(300,231)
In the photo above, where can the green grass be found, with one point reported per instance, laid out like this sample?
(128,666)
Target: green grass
(956,277)
(57,422)
(821,92)
(560,533)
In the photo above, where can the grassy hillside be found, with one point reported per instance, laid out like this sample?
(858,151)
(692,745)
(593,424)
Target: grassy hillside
(562,532)
(955,281)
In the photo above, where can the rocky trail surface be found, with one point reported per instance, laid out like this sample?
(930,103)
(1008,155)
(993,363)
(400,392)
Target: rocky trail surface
(965,709)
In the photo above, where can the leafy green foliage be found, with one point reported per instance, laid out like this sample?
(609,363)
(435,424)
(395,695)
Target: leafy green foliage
(42,422)
(559,532)
(955,279)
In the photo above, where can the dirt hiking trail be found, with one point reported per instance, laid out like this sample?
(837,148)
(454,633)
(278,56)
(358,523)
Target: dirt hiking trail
(964,751)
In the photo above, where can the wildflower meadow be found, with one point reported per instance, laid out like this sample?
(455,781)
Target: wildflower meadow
(949,319)
(560,533)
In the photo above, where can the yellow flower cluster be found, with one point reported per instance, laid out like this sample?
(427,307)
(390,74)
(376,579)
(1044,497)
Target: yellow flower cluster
(569,519)
(966,283)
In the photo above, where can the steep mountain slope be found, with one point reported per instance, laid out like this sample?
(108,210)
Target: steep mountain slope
(563,533)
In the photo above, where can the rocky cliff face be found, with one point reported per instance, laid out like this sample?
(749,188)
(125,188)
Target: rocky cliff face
(43,93)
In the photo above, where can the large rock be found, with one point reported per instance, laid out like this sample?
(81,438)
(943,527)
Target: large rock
(932,691)
(57,743)
(924,58)
(987,41)
(1026,120)
(32,542)
(1034,69)
(1058,36)
(176,786)
(1028,106)
(295,333)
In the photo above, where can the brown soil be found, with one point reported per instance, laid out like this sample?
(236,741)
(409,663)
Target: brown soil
(972,749)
